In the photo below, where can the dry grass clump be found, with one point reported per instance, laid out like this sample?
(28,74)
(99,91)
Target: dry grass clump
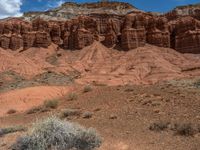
(4,131)
(183,129)
(47,105)
(72,96)
(87,88)
(197,84)
(70,112)
(34,110)
(159,126)
(53,104)
(55,134)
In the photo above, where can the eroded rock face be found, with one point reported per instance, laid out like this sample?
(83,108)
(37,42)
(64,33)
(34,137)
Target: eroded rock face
(185,35)
(189,42)
(133,38)
(157,32)
(16,42)
(28,40)
(5,41)
(42,39)
(129,31)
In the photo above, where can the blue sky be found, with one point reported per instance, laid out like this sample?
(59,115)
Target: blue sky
(17,7)
(147,5)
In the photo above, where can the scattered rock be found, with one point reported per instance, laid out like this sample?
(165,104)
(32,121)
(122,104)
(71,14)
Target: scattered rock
(87,115)
(112,117)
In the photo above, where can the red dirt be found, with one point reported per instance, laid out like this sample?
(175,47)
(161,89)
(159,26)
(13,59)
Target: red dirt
(24,99)
(99,65)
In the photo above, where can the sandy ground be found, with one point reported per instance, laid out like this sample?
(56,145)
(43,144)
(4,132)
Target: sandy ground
(135,108)
(24,99)
(128,85)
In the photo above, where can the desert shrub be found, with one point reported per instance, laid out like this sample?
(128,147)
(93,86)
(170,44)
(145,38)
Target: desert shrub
(51,103)
(42,108)
(185,129)
(87,88)
(8,130)
(72,96)
(159,126)
(70,112)
(55,134)
(198,128)
(11,111)
(197,84)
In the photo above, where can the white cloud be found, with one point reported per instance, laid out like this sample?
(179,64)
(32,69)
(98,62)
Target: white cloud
(54,4)
(10,8)
(59,3)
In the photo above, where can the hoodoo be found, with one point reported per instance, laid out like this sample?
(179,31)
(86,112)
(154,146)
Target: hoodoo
(75,26)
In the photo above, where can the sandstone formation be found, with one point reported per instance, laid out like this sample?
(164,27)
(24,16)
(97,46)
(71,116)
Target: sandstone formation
(126,30)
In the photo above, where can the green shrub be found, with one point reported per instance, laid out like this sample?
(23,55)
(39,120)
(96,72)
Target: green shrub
(51,104)
(87,88)
(55,134)
(72,96)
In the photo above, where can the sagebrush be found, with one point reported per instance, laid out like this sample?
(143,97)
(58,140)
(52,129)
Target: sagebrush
(55,134)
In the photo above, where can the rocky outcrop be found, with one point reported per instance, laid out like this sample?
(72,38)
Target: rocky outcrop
(42,39)
(157,32)
(16,42)
(133,38)
(189,42)
(28,40)
(70,10)
(185,35)
(5,41)
(181,11)
(128,31)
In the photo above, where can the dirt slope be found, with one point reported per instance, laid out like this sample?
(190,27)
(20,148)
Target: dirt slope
(24,99)
(101,65)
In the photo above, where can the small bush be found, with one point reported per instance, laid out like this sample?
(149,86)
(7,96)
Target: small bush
(185,129)
(87,88)
(72,96)
(51,104)
(55,134)
(8,130)
(11,111)
(198,128)
(70,112)
(159,126)
(197,84)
